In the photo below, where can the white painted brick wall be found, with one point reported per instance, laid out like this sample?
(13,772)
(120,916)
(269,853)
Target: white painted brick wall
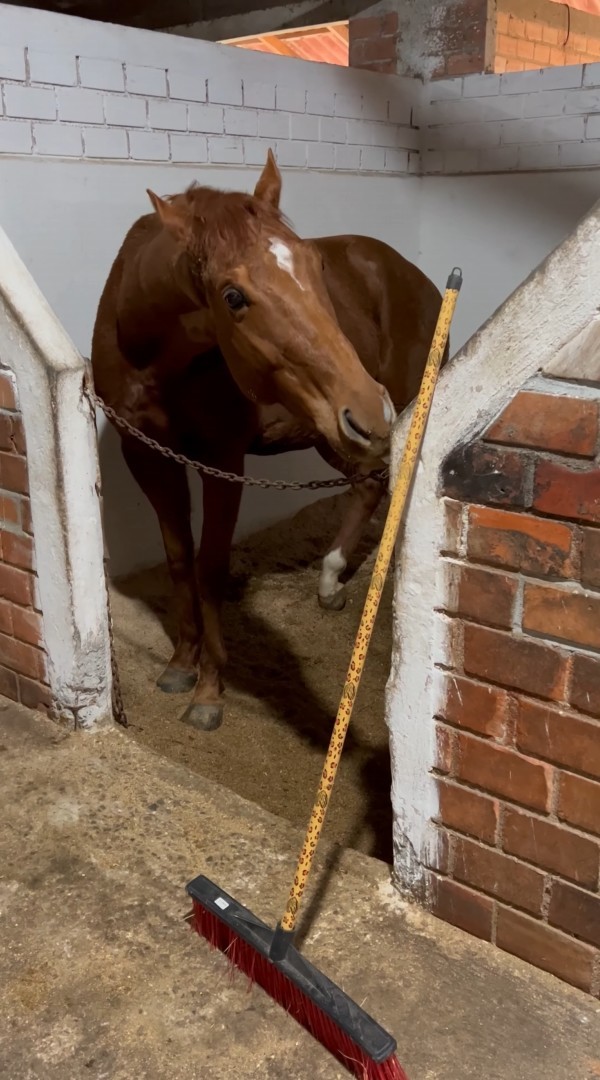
(101,91)
(534,120)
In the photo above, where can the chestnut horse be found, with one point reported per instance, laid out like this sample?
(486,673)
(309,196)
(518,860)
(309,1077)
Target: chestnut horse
(220,333)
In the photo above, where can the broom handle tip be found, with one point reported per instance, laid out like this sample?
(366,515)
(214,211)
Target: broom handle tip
(455,280)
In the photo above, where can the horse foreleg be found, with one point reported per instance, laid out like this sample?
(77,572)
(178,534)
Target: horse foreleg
(165,485)
(221,503)
(364,501)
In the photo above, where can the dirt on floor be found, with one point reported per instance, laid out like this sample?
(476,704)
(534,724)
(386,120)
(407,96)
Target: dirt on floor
(287,663)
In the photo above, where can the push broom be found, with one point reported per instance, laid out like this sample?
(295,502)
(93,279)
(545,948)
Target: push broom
(267,956)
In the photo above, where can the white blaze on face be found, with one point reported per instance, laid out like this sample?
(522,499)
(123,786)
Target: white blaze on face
(284,259)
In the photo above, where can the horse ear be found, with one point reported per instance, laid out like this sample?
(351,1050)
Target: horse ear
(170,215)
(268,188)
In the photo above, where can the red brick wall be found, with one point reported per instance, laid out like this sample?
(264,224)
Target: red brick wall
(23,669)
(537,33)
(518,733)
(428,39)
(372,42)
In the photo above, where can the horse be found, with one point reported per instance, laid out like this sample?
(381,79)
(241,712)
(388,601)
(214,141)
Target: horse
(220,332)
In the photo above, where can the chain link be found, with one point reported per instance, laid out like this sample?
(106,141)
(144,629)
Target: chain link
(209,470)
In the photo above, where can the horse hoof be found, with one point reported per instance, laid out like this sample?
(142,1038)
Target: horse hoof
(335,602)
(203,717)
(176,681)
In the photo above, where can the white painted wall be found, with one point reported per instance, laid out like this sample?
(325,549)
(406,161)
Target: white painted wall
(67,220)
(497,229)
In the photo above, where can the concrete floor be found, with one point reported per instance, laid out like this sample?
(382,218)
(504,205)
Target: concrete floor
(100,977)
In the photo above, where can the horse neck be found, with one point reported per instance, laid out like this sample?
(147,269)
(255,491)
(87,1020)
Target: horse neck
(151,297)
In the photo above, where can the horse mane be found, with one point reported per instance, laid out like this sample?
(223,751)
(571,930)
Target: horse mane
(225,223)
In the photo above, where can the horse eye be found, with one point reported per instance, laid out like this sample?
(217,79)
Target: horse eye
(234,299)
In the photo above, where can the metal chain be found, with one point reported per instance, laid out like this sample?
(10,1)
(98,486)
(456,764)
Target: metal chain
(118,706)
(208,470)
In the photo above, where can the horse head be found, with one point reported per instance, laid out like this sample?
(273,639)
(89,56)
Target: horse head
(267,303)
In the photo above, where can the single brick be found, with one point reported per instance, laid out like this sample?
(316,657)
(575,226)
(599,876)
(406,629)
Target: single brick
(18,550)
(467,812)
(30,102)
(558,613)
(564,425)
(146,80)
(10,511)
(15,137)
(569,493)
(372,158)
(273,125)
(8,398)
(6,622)
(59,69)
(6,432)
(461,907)
(443,749)
(149,145)
(241,122)
(320,155)
(122,111)
(13,473)
(226,150)
(12,63)
(167,115)
(34,694)
(80,106)
(101,74)
(347,157)
(561,737)
(514,662)
(192,148)
(9,684)
(552,847)
(303,126)
(290,98)
(545,948)
(318,102)
(498,875)
(291,153)
(485,474)
(576,912)
(579,801)
(501,771)
(26,516)
(58,140)
(484,596)
(205,118)
(585,684)
(474,706)
(453,518)
(187,86)
(225,91)
(27,626)
(105,143)
(590,558)
(259,95)
(535,546)
(22,658)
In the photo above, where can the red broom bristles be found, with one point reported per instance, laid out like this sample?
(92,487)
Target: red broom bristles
(260,970)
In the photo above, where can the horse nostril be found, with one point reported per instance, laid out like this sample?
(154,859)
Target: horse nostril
(355,426)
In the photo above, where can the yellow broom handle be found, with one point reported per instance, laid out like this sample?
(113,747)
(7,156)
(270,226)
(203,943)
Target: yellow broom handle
(363,637)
